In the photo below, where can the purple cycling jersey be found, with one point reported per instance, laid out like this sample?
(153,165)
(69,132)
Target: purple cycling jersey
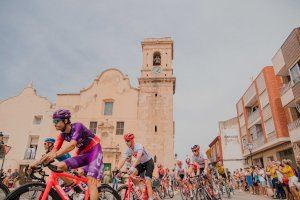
(79,133)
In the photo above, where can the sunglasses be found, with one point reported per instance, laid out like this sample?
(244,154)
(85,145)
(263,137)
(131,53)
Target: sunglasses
(55,121)
(194,150)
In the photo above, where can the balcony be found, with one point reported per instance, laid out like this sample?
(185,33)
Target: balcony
(294,130)
(250,96)
(290,92)
(30,154)
(253,118)
(259,140)
(294,125)
(285,88)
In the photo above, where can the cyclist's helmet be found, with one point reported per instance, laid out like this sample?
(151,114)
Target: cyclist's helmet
(61,114)
(194,166)
(195,147)
(179,163)
(128,136)
(50,140)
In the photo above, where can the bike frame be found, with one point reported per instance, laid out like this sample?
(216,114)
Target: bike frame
(52,182)
(130,185)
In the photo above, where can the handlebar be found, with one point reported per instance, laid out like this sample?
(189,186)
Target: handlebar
(39,169)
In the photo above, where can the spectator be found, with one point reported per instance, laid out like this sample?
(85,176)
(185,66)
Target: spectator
(262,181)
(249,180)
(290,180)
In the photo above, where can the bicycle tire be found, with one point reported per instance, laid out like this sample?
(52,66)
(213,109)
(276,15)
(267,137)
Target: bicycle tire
(202,194)
(133,195)
(184,194)
(171,192)
(107,188)
(157,194)
(34,186)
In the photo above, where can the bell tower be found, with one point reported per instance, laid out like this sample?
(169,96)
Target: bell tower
(155,102)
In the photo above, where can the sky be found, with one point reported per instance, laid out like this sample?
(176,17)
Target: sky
(62,45)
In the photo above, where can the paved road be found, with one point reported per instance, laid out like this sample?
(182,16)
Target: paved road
(237,196)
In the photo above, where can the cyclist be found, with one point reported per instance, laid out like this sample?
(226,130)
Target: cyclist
(199,158)
(221,170)
(161,172)
(143,162)
(180,172)
(88,154)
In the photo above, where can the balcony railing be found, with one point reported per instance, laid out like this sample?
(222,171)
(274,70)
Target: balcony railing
(252,117)
(259,142)
(294,125)
(285,88)
(30,154)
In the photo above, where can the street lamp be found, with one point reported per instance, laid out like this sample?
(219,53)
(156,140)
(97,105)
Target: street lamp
(250,148)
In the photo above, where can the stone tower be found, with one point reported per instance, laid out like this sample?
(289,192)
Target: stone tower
(155,101)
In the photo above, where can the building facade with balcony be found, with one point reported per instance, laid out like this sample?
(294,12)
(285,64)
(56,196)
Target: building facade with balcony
(109,107)
(262,121)
(226,146)
(287,65)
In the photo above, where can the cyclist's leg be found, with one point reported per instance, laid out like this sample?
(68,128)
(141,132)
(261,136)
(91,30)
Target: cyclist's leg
(94,170)
(71,163)
(148,177)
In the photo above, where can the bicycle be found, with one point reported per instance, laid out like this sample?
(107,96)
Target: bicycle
(207,190)
(185,189)
(136,192)
(167,188)
(224,187)
(53,190)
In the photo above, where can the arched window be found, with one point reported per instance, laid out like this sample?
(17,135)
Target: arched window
(155,159)
(156,59)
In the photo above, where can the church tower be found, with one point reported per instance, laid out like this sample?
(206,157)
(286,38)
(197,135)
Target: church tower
(155,101)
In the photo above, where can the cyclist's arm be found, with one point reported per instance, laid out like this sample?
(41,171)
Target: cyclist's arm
(66,149)
(138,158)
(58,143)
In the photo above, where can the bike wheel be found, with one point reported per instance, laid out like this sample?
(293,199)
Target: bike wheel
(171,192)
(157,195)
(108,193)
(202,194)
(4,191)
(123,191)
(32,191)
(184,193)
(228,192)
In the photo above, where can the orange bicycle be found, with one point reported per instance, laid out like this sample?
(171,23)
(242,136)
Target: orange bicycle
(52,190)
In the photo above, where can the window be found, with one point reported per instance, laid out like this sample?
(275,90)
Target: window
(244,141)
(156,59)
(37,119)
(30,152)
(253,109)
(120,128)
(108,108)
(295,73)
(93,127)
(155,129)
